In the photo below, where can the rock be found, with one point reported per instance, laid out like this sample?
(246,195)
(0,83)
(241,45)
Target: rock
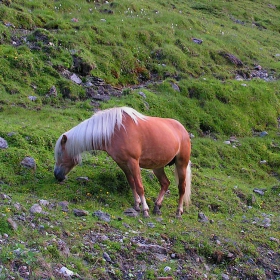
(12,223)
(274,239)
(29,162)
(259,191)
(66,272)
(74,78)
(142,94)
(202,218)
(107,257)
(197,41)
(131,212)
(225,277)
(3,143)
(44,202)
(233,59)
(36,208)
(32,98)
(266,223)
(64,205)
(17,206)
(175,87)
(151,225)
(102,216)
(82,179)
(167,268)
(4,196)
(263,134)
(80,213)
(52,91)
(157,249)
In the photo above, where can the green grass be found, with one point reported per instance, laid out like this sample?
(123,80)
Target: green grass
(127,44)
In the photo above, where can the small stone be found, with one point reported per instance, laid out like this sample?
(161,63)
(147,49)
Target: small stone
(266,223)
(76,79)
(4,196)
(202,218)
(259,191)
(52,91)
(36,208)
(17,206)
(66,272)
(225,277)
(197,41)
(175,87)
(29,162)
(227,142)
(3,143)
(43,202)
(107,257)
(82,179)
(131,212)
(80,213)
(64,205)
(274,239)
(32,98)
(151,225)
(142,94)
(102,216)
(12,223)
(264,133)
(167,268)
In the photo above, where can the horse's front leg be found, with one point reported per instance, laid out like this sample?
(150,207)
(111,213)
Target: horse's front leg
(164,183)
(133,175)
(137,199)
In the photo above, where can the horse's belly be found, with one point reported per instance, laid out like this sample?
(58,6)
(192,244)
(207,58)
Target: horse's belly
(156,158)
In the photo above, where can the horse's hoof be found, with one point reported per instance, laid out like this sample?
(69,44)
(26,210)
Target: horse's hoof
(179,214)
(137,208)
(146,214)
(156,210)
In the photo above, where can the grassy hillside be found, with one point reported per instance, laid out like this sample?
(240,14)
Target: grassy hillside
(212,65)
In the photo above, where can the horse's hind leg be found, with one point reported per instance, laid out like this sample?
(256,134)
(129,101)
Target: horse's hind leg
(183,175)
(164,183)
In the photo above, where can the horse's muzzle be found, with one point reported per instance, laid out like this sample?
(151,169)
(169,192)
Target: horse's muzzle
(59,174)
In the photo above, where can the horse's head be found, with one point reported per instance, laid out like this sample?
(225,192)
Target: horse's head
(64,162)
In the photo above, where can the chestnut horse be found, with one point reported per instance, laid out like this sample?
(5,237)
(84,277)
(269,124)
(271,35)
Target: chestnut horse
(134,141)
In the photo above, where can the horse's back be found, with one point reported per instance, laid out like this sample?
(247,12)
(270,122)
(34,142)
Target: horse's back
(154,141)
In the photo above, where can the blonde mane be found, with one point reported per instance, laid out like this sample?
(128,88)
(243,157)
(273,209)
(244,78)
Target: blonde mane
(95,132)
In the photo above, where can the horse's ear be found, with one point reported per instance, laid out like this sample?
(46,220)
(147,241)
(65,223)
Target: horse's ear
(63,139)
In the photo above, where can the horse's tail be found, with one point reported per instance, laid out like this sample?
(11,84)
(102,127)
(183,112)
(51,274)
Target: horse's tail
(187,194)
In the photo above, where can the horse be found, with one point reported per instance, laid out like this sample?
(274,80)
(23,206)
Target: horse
(134,141)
